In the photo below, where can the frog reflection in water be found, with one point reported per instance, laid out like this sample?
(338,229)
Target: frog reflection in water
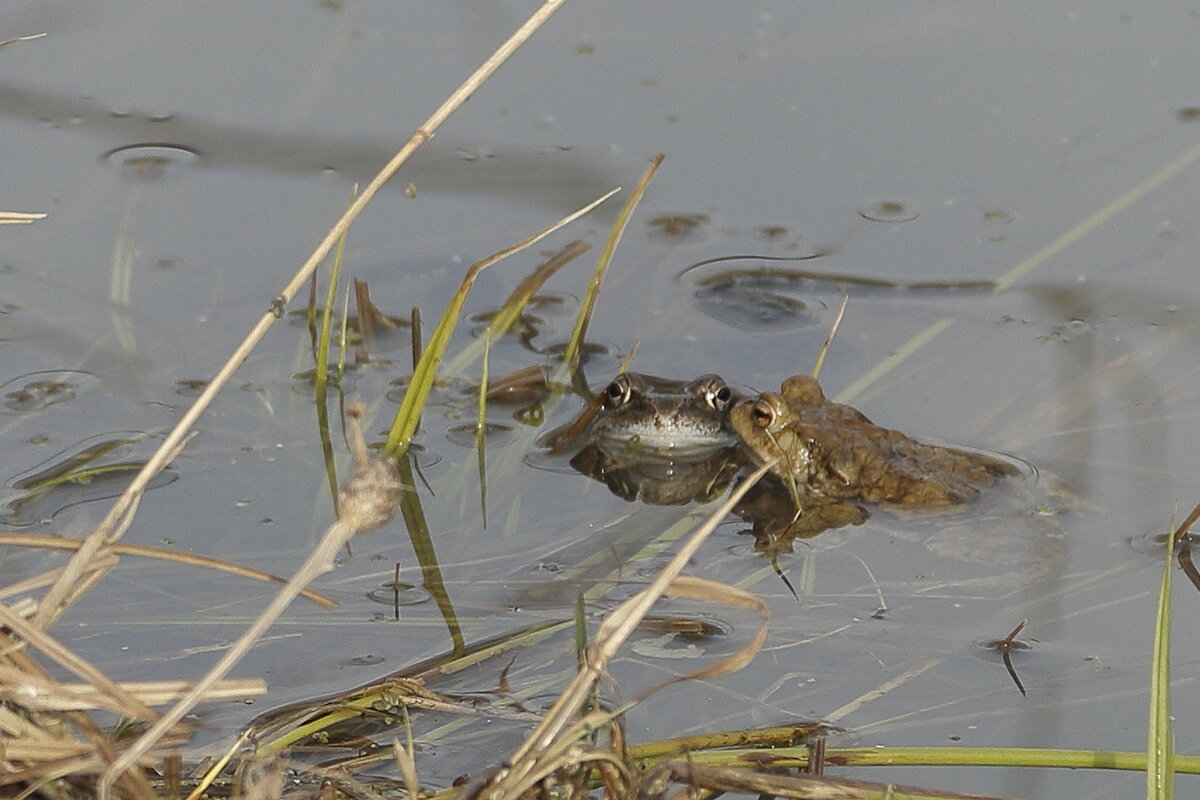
(661,441)
(833,451)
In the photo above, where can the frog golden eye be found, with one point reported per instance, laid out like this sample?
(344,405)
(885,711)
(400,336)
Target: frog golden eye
(618,392)
(762,414)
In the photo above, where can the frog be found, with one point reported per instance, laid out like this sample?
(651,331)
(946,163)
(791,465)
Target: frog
(665,415)
(830,463)
(830,450)
(658,440)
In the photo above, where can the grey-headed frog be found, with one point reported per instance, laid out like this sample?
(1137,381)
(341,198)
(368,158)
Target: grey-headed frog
(658,440)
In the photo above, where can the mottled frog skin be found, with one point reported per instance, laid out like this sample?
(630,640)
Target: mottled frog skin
(834,451)
(664,415)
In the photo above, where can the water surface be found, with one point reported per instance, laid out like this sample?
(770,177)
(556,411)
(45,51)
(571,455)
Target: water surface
(930,142)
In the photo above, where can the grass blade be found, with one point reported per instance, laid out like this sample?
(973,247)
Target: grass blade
(575,345)
(321,361)
(510,310)
(422,542)
(1160,740)
(405,424)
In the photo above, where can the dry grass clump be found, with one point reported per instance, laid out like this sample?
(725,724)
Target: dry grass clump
(52,744)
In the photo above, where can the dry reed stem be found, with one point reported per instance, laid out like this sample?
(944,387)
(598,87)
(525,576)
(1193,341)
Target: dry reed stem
(20,217)
(105,531)
(51,542)
(38,638)
(70,586)
(29,692)
(26,38)
(28,605)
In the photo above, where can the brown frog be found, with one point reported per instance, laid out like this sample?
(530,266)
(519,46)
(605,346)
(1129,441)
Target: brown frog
(834,451)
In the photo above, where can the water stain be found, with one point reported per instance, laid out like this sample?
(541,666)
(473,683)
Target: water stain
(36,391)
(495,434)
(890,211)
(678,228)
(758,293)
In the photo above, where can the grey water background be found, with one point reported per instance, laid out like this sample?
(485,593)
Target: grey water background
(1051,147)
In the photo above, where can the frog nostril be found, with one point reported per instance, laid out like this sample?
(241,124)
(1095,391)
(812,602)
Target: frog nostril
(721,398)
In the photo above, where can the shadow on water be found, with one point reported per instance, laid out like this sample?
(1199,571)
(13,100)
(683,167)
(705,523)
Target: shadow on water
(554,177)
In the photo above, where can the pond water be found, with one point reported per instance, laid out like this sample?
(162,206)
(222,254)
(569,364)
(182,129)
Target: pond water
(1007,194)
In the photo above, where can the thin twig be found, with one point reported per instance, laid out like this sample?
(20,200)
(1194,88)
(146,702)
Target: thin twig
(837,322)
(27,38)
(20,217)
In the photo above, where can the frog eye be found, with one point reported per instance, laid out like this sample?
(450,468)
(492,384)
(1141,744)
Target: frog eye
(720,398)
(762,414)
(618,392)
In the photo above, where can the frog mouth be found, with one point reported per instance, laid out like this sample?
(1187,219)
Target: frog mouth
(670,442)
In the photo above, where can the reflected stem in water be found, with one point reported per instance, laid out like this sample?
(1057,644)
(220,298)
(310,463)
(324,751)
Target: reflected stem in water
(1006,646)
(481,428)
(326,443)
(1187,564)
(1185,547)
(321,362)
(418,533)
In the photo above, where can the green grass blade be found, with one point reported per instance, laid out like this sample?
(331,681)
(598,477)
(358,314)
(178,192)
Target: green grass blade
(321,360)
(785,757)
(343,337)
(575,345)
(422,542)
(321,373)
(1160,740)
(407,417)
(1159,772)
(76,469)
(510,310)
(409,414)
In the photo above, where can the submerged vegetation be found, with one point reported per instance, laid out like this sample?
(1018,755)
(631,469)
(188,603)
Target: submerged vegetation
(59,741)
